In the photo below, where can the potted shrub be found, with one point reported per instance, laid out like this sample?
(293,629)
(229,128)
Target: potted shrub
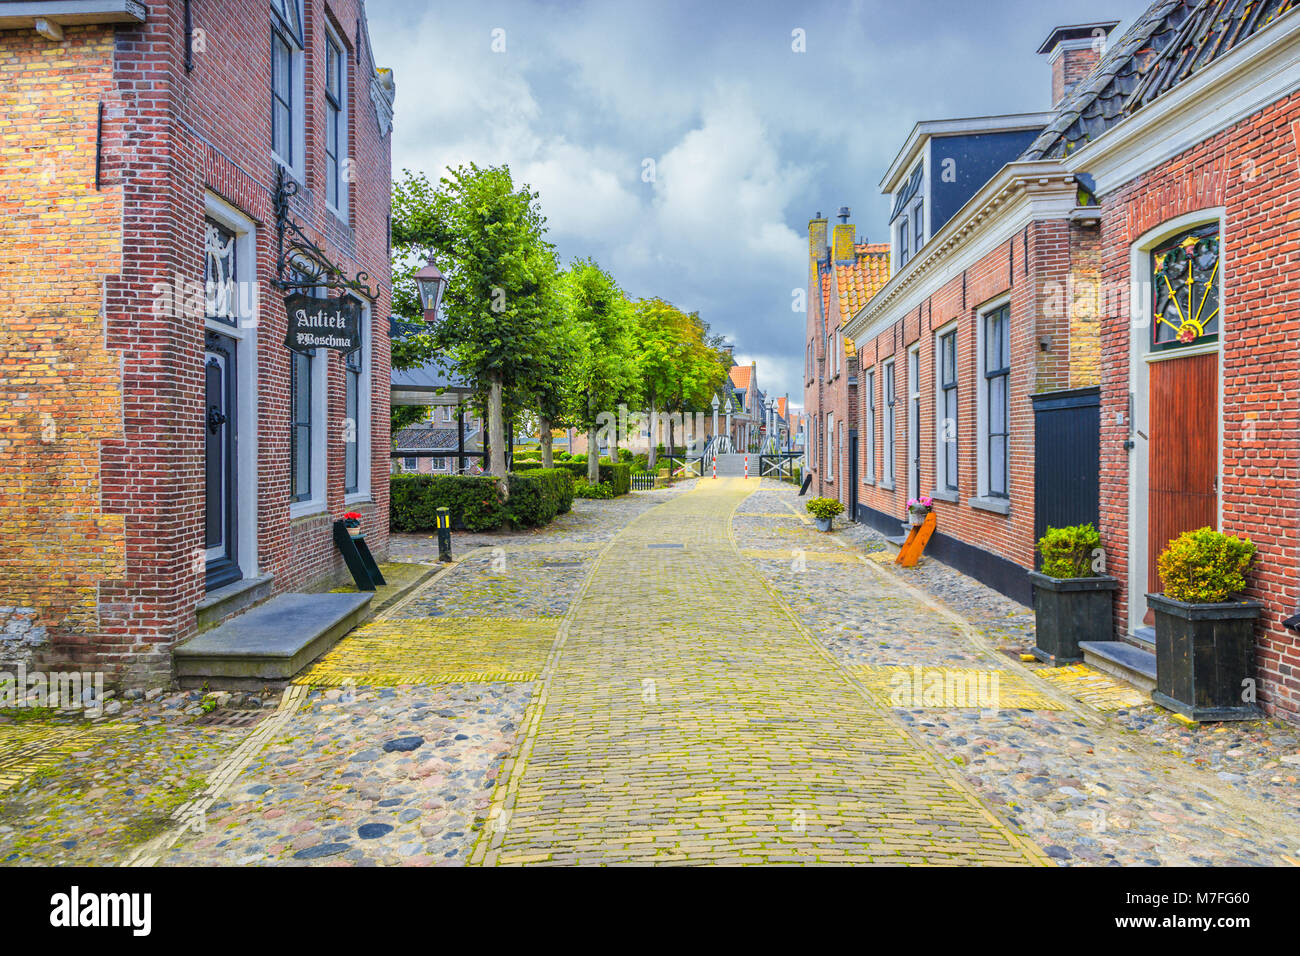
(824,510)
(353,522)
(1072,601)
(917,509)
(1205,631)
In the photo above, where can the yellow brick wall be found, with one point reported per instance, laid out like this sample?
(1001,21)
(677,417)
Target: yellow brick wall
(60,388)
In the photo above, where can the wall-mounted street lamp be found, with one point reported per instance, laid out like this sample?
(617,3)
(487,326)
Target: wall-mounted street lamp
(430,283)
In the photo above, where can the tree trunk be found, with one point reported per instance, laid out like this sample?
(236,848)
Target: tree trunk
(593,457)
(544,433)
(671,440)
(496,426)
(654,439)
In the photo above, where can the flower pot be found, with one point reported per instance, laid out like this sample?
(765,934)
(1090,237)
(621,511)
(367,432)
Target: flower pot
(355,532)
(1067,611)
(916,518)
(1205,658)
(823,524)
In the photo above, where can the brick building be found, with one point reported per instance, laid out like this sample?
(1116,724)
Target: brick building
(1189,131)
(843,275)
(164,451)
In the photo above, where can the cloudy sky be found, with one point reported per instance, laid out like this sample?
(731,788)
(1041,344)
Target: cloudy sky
(686,144)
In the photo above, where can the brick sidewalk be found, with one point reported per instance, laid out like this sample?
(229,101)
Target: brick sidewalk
(685,715)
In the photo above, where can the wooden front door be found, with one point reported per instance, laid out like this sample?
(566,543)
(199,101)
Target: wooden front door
(1184,453)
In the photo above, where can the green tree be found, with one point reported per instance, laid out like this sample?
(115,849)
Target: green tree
(489,238)
(605,370)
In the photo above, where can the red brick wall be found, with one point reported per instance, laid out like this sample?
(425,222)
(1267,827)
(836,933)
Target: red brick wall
(170,136)
(60,387)
(1031,267)
(1250,169)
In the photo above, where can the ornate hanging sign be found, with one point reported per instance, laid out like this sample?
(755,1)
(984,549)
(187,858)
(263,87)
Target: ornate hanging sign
(300,263)
(316,323)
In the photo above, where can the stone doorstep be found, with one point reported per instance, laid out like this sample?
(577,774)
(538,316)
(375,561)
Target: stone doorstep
(1122,660)
(232,599)
(270,642)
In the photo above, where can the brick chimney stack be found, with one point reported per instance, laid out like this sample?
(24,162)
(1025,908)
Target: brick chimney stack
(1074,52)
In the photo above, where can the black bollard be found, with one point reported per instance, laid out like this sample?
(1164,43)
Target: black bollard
(444,535)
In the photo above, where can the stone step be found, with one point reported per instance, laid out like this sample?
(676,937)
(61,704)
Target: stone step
(1144,638)
(234,598)
(270,642)
(1123,660)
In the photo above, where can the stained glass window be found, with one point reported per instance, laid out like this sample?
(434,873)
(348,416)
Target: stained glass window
(1185,289)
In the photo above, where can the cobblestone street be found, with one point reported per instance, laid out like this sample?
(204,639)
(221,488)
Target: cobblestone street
(682,676)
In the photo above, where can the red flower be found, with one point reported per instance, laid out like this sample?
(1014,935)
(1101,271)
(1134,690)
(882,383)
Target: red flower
(352,516)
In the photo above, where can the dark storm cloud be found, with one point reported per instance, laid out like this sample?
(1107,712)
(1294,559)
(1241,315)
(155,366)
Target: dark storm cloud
(748,138)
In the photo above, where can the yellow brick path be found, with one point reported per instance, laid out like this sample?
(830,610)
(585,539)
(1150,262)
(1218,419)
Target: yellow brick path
(685,716)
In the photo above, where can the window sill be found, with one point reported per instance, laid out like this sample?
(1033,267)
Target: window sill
(305,509)
(886,486)
(1001,506)
(358,498)
(949,496)
(869,481)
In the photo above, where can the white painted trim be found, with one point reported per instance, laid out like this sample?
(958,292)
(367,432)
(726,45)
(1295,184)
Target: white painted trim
(1255,73)
(365,415)
(869,414)
(340,211)
(1139,386)
(889,370)
(247,390)
(982,312)
(295,165)
(914,421)
(940,458)
(1018,194)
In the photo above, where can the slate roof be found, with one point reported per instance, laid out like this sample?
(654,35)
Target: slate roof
(428,439)
(1171,41)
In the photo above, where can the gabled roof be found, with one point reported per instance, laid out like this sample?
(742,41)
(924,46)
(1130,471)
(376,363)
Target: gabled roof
(1170,42)
(858,282)
(427,439)
(740,376)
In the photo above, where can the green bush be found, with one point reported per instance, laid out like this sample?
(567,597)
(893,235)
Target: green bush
(1067,552)
(583,489)
(1205,566)
(473,501)
(625,455)
(537,495)
(824,507)
(582,458)
(640,464)
(618,477)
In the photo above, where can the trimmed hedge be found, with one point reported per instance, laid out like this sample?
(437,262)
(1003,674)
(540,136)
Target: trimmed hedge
(475,505)
(618,477)
(472,499)
(538,495)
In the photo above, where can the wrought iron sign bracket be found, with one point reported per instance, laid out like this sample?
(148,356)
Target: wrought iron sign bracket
(296,252)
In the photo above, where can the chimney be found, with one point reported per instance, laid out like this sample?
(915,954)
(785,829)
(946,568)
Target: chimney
(842,238)
(1073,53)
(816,238)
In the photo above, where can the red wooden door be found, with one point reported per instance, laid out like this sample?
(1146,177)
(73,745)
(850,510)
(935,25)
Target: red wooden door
(1184,453)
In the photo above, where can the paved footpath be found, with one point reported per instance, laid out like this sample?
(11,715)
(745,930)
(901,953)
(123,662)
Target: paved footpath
(685,715)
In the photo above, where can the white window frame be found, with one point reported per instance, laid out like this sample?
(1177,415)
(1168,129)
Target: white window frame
(365,424)
(983,499)
(244,332)
(869,473)
(829,444)
(918,225)
(940,415)
(340,208)
(294,164)
(320,433)
(904,244)
(890,377)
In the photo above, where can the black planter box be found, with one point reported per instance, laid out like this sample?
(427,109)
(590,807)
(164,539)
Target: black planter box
(1204,655)
(1067,611)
